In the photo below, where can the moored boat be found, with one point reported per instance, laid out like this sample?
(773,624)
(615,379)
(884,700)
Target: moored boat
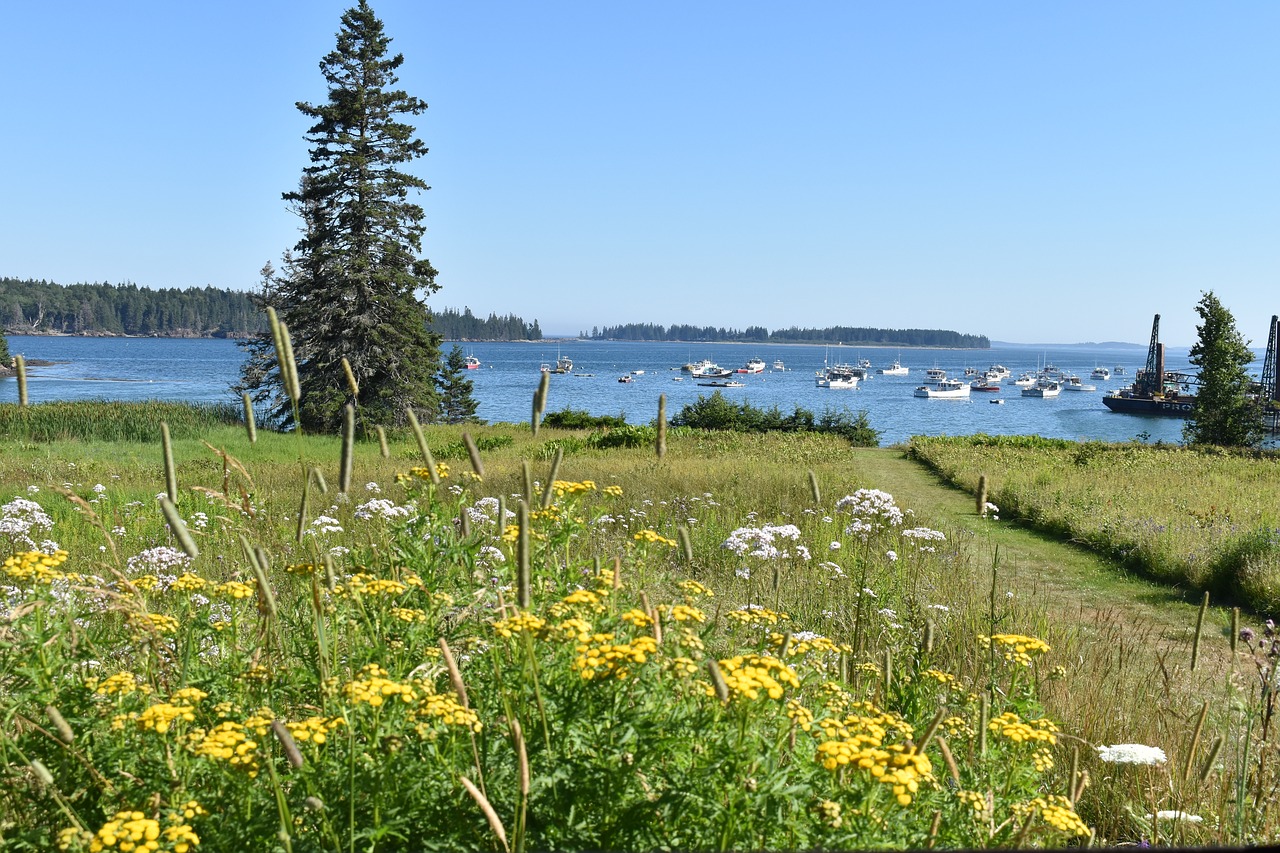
(471,362)
(985,385)
(944,389)
(1043,388)
(753,365)
(895,369)
(935,374)
(1073,383)
(1100,373)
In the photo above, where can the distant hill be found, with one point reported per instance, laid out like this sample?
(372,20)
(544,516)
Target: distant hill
(1082,345)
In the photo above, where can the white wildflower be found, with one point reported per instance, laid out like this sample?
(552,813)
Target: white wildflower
(1131,753)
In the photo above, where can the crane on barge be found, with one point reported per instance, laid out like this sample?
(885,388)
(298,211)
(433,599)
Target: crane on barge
(1155,391)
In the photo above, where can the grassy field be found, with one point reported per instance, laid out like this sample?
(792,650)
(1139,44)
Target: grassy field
(745,643)
(1203,521)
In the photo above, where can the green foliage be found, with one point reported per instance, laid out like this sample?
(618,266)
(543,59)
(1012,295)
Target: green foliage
(793,335)
(448,324)
(126,309)
(719,413)
(458,449)
(1131,503)
(581,419)
(457,406)
(623,436)
(349,289)
(1223,413)
(4,353)
(89,420)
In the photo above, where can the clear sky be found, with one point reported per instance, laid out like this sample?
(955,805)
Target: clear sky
(1035,172)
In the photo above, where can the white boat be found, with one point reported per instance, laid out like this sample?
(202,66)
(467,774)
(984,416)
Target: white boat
(545,368)
(637,373)
(626,377)
(778,365)
(1119,370)
(935,374)
(1073,383)
(723,383)
(999,370)
(1026,380)
(695,366)
(864,363)
(895,369)
(1100,373)
(710,370)
(753,365)
(471,362)
(838,376)
(564,364)
(1043,388)
(945,389)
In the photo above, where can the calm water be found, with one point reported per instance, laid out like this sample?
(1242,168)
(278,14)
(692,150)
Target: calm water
(203,370)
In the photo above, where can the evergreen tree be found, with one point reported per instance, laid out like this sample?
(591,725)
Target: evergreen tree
(456,403)
(4,354)
(350,287)
(1222,414)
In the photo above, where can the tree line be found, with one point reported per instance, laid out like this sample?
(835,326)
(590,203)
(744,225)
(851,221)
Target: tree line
(858,335)
(28,306)
(452,326)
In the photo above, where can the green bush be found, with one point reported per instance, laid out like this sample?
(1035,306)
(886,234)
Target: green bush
(580,419)
(718,413)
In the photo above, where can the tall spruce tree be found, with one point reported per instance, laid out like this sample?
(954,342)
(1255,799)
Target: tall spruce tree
(457,406)
(1223,413)
(351,286)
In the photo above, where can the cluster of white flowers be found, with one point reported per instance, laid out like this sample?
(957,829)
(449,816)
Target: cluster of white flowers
(1131,753)
(324,524)
(1174,814)
(381,508)
(922,535)
(490,556)
(834,568)
(161,561)
(872,511)
(20,517)
(759,541)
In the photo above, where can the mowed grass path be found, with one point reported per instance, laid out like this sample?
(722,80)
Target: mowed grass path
(1080,585)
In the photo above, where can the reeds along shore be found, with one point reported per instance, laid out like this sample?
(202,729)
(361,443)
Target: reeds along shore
(738,644)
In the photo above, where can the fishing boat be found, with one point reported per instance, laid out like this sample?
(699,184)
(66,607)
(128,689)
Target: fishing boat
(710,370)
(985,385)
(1073,383)
(471,362)
(895,369)
(778,365)
(944,389)
(1100,373)
(753,365)
(1044,387)
(837,376)
(935,374)
(564,364)
(625,378)
(723,383)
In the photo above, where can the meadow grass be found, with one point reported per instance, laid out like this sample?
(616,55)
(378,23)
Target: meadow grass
(709,658)
(1199,519)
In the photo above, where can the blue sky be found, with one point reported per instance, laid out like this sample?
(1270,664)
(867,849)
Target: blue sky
(1034,172)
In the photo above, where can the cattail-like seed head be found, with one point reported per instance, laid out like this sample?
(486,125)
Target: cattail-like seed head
(523,581)
(686,544)
(250,420)
(495,824)
(382,443)
(287,744)
(455,674)
(981,497)
(717,680)
(59,722)
(291,385)
(473,453)
(20,365)
(42,773)
(179,527)
(346,460)
(427,459)
(352,385)
(304,509)
(170,471)
(814,491)
(548,492)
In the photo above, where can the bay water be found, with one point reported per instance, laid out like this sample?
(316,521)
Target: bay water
(202,371)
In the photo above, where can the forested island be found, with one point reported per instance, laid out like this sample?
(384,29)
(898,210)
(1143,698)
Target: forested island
(855,335)
(31,307)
